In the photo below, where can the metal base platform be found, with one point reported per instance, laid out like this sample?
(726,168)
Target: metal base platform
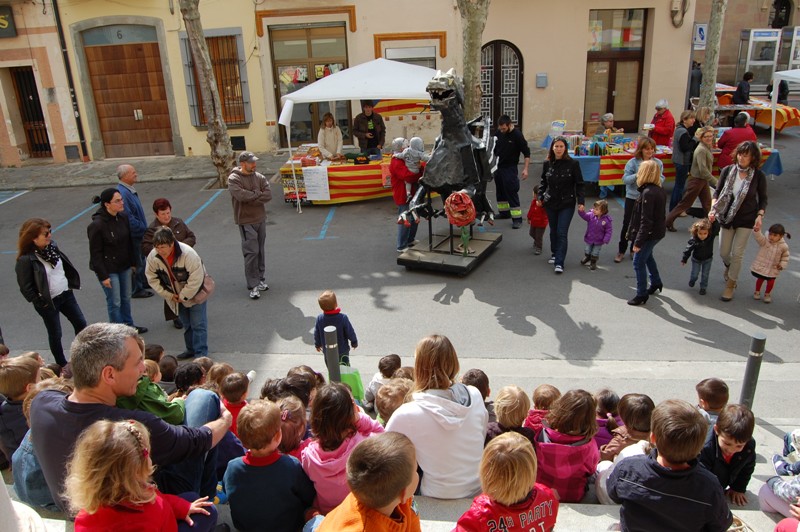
(438,257)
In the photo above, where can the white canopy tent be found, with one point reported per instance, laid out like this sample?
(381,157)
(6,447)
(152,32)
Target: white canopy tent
(381,79)
(790,76)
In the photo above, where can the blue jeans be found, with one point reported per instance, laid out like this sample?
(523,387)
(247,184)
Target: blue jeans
(681,173)
(405,235)
(29,481)
(701,268)
(118,297)
(644,262)
(195,332)
(593,249)
(66,304)
(559,230)
(197,473)
(139,281)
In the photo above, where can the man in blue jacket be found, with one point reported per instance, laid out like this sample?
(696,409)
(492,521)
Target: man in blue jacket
(127,178)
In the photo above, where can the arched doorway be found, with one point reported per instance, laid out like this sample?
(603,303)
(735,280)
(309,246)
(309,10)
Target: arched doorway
(501,81)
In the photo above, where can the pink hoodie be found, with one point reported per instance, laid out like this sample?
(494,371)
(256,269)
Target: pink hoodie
(327,469)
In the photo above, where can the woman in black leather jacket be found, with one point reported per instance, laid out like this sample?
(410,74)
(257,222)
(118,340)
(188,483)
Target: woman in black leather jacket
(561,189)
(47,278)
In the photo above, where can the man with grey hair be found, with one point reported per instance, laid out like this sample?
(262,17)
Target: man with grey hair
(175,271)
(106,364)
(136,218)
(250,191)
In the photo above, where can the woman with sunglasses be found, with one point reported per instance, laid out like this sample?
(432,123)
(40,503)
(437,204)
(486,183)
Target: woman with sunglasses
(111,255)
(46,278)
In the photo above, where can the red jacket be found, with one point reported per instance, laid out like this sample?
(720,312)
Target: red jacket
(537,215)
(534,420)
(234,409)
(729,140)
(160,515)
(400,176)
(664,128)
(537,512)
(565,463)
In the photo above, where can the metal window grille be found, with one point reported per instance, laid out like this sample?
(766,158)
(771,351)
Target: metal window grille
(224,55)
(30,109)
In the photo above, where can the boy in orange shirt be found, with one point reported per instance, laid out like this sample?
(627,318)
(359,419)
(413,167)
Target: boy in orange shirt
(382,475)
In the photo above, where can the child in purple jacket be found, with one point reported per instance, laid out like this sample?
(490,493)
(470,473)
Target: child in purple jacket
(598,231)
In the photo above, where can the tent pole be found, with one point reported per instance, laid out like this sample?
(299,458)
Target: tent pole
(294,174)
(776,83)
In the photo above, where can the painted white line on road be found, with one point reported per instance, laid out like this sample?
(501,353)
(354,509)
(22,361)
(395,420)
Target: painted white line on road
(5,199)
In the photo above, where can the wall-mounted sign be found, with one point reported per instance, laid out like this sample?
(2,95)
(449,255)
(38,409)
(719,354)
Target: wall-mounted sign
(7,27)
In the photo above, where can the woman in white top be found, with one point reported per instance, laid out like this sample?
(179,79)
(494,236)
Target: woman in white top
(446,420)
(329,137)
(46,278)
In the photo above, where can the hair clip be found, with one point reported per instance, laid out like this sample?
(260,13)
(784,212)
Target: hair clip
(285,415)
(130,427)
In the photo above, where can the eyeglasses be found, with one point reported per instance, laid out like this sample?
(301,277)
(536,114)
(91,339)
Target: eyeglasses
(116,201)
(47,232)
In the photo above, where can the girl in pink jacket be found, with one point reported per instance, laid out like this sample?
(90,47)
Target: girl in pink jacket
(566,453)
(772,259)
(338,426)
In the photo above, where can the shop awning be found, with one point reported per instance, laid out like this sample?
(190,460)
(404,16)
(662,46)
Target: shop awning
(791,76)
(381,79)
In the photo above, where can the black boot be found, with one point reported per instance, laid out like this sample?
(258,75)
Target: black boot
(593,264)
(586,258)
(638,300)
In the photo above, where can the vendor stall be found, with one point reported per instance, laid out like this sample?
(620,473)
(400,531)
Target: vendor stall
(346,183)
(607,170)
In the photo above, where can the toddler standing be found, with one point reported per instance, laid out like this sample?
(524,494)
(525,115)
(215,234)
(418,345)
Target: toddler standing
(598,231)
(701,249)
(109,482)
(772,259)
(537,219)
(333,315)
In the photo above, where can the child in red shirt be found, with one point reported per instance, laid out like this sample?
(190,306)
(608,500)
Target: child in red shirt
(109,485)
(537,219)
(233,389)
(511,498)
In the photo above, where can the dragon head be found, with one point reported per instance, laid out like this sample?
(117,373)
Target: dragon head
(446,90)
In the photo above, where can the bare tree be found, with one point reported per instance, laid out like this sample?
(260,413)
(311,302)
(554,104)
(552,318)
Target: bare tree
(708,97)
(473,20)
(217,138)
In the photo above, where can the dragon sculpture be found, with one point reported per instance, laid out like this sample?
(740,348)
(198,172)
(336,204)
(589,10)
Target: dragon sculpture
(460,158)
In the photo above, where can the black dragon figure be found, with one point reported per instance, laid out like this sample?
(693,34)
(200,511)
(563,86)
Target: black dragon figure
(460,158)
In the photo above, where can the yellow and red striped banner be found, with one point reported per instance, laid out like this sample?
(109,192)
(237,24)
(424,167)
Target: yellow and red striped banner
(612,167)
(401,107)
(350,182)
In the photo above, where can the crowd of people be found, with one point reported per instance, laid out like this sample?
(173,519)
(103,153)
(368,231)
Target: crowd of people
(122,434)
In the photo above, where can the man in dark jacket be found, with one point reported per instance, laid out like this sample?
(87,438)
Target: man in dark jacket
(510,143)
(138,221)
(369,129)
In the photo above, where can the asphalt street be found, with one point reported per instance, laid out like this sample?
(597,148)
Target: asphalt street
(512,316)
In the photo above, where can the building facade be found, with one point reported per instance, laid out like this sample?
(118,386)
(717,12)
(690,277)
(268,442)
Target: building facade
(137,89)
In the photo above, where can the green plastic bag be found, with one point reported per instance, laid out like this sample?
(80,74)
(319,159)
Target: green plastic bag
(352,378)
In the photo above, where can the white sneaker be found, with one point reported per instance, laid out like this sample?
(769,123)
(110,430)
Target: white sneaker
(254,293)
(262,286)
(551,260)
(559,269)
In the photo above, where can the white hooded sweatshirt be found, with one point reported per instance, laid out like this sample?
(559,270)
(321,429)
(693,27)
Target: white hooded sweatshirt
(448,428)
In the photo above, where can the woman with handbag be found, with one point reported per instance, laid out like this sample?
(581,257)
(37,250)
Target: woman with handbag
(47,278)
(176,273)
(739,203)
(560,190)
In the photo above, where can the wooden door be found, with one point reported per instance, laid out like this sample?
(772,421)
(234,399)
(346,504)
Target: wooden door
(613,86)
(30,109)
(501,82)
(130,99)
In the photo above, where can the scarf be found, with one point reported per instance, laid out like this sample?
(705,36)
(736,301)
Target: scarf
(49,254)
(727,205)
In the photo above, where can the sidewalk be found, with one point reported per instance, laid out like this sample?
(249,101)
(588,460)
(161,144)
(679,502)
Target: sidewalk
(36,174)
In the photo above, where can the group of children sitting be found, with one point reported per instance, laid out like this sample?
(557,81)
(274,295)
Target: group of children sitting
(308,454)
